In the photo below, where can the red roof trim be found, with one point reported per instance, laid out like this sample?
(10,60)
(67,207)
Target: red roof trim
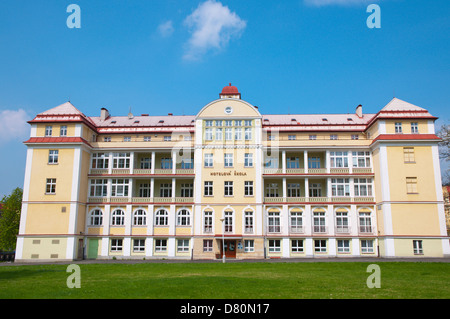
(53,140)
(405,137)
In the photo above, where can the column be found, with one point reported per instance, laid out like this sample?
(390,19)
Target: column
(305,161)
(327,161)
(153,164)
(283,161)
(307,188)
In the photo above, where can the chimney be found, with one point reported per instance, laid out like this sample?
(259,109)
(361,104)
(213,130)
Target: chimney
(170,114)
(104,114)
(359,111)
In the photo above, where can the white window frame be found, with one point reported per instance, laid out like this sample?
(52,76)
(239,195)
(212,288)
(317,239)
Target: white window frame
(161,217)
(228,188)
(53,156)
(183,217)
(340,187)
(119,187)
(208,189)
(228,160)
(208,160)
(98,187)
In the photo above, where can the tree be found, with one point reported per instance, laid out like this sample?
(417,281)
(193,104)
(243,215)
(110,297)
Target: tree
(10,219)
(444,150)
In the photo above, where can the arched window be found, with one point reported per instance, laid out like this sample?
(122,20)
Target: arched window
(140,218)
(296,220)
(96,217)
(228,215)
(183,218)
(118,218)
(161,218)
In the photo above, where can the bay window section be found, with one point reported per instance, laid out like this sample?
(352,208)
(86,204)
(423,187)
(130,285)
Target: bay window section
(121,160)
(363,187)
(100,160)
(119,187)
(340,187)
(338,159)
(361,159)
(98,187)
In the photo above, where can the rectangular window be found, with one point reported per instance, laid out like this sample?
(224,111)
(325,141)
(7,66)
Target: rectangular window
(219,123)
(208,160)
(355,137)
(319,222)
(208,134)
(293,190)
(183,245)
(292,137)
(160,245)
(228,188)
(365,223)
(343,245)
(63,130)
(119,187)
(145,190)
(228,123)
(272,190)
(146,163)
(398,127)
(98,187)
(333,137)
(100,160)
(248,222)
(116,244)
(273,222)
(228,160)
(53,156)
(208,222)
(363,186)
(228,222)
(50,187)
(314,162)
(417,246)
(167,138)
(208,123)
(107,139)
(187,190)
(166,163)
(249,246)
(165,190)
(238,123)
(274,245)
(340,187)
(320,246)
(138,245)
(208,188)
(408,154)
(121,160)
(297,245)
(361,159)
(248,133)
(228,134)
(313,137)
(292,162)
(207,245)
(238,133)
(411,185)
(248,123)
(48,130)
(248,188)
(315,190)
(248,160)
(338,159)
(187,163)
(367,246)
(127,138)
(414,128)
(219,136)
(147,138)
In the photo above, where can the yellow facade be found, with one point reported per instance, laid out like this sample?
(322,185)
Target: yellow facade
(232,180)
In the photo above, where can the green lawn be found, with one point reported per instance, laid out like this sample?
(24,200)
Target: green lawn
(228,281)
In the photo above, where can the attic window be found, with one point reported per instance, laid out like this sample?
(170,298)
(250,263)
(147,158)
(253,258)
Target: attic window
(113,122)
(293,120)
(266,120)
(161,121)
(136,121)
(349,119)
(324,119)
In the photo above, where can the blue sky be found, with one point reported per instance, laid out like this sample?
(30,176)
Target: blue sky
(304,56)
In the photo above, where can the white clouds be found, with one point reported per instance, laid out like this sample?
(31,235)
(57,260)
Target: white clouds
(319,3)
(166,29)
(212,26)
(13,125)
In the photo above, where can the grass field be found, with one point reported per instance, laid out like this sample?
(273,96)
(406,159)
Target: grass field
(337,280)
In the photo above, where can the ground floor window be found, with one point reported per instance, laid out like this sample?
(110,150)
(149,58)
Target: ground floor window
(183,245)
(138,245)
(297,245)
(207,245)
(417,246)
(343,246)
(320,246)
(249,246)
(367,246)
(116,244)
(274,245)
(160,245)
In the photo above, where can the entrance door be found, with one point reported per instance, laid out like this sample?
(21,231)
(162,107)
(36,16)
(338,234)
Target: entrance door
(230,249)
(93,248)
(80,249)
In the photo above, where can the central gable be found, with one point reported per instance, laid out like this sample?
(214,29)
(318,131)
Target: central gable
(228,108)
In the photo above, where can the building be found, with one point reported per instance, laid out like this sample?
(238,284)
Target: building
(232,179)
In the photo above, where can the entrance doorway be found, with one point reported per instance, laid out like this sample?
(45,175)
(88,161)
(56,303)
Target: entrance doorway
(230,249)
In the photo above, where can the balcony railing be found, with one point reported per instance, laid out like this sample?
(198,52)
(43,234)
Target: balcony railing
(98,200)
(365,229)
(318,199)
(274,228)
(319,229)
(297,229)
(343,229)
(141,171)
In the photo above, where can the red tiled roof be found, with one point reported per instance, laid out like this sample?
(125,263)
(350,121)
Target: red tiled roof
(400,137)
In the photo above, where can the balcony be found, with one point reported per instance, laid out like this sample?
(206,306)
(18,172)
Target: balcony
(319,200)
(146,200)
